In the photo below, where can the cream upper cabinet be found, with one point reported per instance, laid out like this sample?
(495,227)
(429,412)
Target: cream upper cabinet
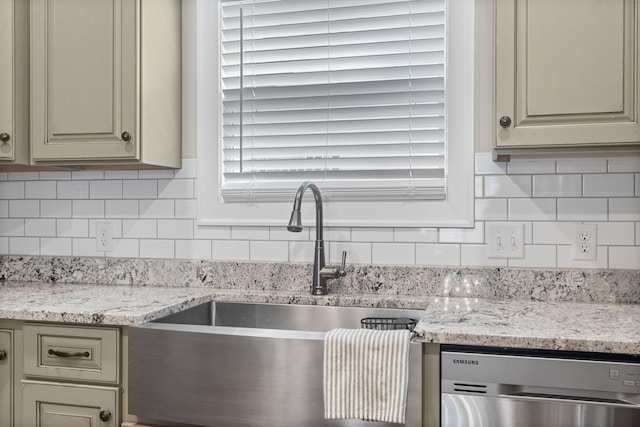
(14,82)
(105,82)
(566,73)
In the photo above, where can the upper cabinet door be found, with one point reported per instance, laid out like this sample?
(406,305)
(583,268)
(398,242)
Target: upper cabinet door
(6,79)
(83,81)
(567,73)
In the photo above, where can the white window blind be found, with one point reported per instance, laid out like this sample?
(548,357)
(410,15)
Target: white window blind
(347,93)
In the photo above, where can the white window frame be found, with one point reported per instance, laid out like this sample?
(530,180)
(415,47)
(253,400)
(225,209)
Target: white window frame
(456,211)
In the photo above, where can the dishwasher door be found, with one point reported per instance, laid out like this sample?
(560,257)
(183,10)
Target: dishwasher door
(503,389)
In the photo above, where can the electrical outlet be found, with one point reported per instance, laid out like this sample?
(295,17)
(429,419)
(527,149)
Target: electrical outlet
(505,240)
(103,237)
(585,242)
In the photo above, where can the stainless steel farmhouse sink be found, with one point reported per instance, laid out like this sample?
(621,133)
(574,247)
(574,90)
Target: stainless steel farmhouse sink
(240,364)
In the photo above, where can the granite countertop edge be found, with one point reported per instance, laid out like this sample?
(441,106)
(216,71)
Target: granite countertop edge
(608,328)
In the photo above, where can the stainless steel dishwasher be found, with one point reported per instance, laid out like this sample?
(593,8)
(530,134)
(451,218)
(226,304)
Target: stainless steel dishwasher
(494,387)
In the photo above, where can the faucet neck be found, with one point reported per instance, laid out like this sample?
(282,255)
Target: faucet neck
(297,204)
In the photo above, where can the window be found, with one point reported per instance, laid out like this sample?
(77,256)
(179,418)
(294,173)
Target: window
(347,93)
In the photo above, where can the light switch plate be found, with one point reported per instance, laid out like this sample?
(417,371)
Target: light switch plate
(505,240)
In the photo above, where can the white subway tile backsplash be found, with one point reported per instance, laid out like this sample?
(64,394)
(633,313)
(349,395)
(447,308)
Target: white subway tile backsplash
(301,251)
(140,189)
(193,249)
(24,246)
(249,233)
(531,167)
(476,256)
(157,209)
(627,257)
(357,253)
(188,169)
(366,234)
(585,209)
(565,258)
(139,228)
(581,165)
(121,174)
(616,233)
(11,227)
(157,248)
(55,247)
(23,176)
(608,185)
(121,209)
(624,209)
(175,188)
(186,208)
(73,190)
(85,247)
(90,175)
(507,186)
(462,235)
(532,209)
(40,227)
(107,189)
(536,256)
(269,251)
(211,232)
(624,164)
(72,228)
(415,235)
(175,229)
(132,248)
(24,208)
(55,208)
(437,254)
(393,253)
(12,190)
(491,209)
(557,186)
(553,233)
(54,176)
(40,190)
(153,214)
(230,250)
(88,208)
(486,166)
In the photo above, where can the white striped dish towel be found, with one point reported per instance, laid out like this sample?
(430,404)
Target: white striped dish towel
(366,373)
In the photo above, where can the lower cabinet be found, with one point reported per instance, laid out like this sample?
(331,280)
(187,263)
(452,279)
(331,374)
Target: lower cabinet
(6,378)
(69,405)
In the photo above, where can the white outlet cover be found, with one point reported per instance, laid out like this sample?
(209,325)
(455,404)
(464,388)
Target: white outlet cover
(585,239)
(505,240)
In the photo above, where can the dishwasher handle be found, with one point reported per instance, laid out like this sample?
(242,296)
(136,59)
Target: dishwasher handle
(543,397)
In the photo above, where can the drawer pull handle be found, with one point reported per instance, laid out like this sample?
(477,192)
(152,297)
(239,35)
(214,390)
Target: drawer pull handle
(3,355)
(68,353)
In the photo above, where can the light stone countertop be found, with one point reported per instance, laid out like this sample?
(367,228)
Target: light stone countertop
(612,328)
(571,326)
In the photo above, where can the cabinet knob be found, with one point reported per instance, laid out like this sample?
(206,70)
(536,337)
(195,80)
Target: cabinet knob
(105,415)
(3,355)
(505,121)
(5,137)
(126,136)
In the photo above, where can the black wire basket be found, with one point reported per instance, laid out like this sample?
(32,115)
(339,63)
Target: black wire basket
(388,323)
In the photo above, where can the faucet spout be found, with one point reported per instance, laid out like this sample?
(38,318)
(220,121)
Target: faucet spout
(321,272)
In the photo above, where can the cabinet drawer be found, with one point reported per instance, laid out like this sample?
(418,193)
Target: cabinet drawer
(68,352)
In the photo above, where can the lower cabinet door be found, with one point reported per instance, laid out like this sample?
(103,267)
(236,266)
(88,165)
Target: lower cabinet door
(69,405)
(6,382)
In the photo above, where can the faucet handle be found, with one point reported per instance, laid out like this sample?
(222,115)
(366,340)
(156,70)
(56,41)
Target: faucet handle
(343,267)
